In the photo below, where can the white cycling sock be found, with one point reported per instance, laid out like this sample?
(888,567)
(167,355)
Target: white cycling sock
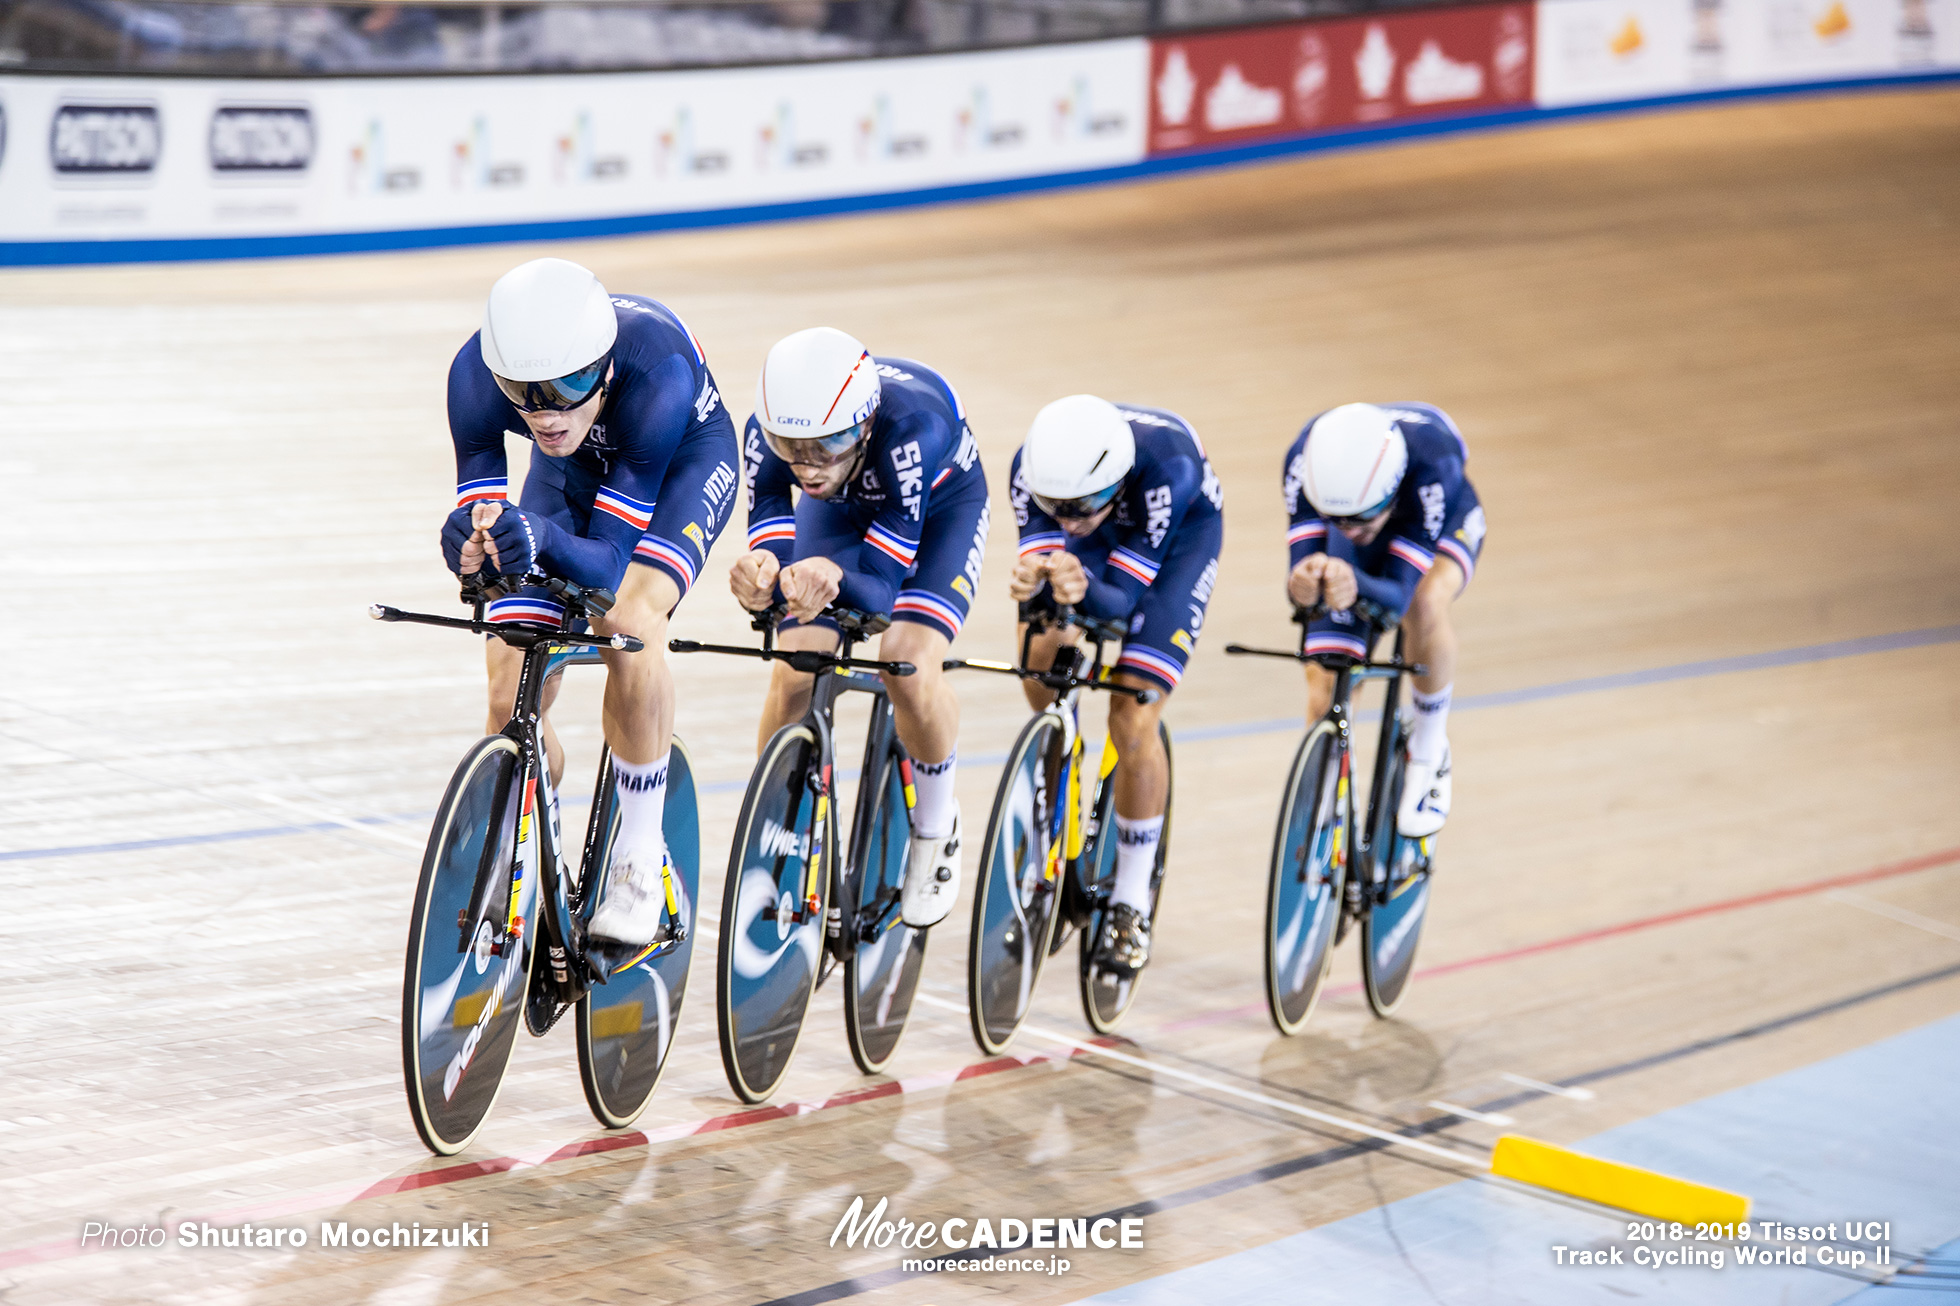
(1427,736)
(932,787)
(642,790)
(1136,858)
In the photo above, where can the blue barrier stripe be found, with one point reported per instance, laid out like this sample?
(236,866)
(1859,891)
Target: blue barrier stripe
(27,253)
(1784,657)
(1835,649)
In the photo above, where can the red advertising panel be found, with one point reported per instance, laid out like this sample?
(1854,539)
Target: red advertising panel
(1229,88)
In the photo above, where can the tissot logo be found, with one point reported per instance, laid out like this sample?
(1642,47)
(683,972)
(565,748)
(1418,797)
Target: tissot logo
(105,139)
(262,138)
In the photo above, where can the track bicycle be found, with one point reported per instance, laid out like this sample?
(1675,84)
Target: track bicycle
(501,909)
(1330,871)
(793,909)
(1048,864)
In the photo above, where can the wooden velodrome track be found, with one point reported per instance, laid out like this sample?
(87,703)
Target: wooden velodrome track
(1706,366)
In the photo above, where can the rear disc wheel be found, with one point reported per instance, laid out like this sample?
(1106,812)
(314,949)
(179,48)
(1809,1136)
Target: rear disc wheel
(881,970)
(626,1025)
(1106,991)
(1394,907)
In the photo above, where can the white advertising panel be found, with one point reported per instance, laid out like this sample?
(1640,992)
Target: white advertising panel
(1597,51)
(163,158)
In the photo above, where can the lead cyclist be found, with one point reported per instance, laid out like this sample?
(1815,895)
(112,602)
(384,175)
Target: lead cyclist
(632,478)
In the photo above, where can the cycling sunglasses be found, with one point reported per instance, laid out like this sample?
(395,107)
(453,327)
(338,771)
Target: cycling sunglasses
(820,450)
(559,394)
(1361,518)
(1080,508)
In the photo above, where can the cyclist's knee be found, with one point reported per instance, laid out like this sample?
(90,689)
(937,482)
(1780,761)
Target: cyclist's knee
(1430,608)
(1133,725)
(647,597)
(925,649)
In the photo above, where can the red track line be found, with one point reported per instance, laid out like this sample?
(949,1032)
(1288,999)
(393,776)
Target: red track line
(458,1173)
(1922,863)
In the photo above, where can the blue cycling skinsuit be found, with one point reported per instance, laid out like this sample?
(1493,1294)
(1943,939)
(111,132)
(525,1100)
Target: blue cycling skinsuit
(909,528)
(1154,559)
(653,483)
(1435,511)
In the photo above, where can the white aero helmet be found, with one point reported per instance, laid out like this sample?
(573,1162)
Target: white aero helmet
(1077,453)
(816,397)
(1355,459)
(548,333)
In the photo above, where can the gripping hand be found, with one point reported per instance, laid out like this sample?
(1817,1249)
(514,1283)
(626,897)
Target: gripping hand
(456,531)
(517,538)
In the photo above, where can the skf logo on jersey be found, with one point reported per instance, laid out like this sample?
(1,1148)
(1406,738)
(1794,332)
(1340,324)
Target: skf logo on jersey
(705,402)
(262,138)
(1157,503)
(105,139)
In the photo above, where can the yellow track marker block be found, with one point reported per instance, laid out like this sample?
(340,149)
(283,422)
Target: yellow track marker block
(1628,1187)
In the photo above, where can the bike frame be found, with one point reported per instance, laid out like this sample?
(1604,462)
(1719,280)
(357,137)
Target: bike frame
(1071,673)
(835,674)
(1350,673)
(573,969)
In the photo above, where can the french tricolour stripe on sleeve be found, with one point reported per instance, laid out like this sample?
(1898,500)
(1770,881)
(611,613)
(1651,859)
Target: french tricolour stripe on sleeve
(526,608)
(490,487)
(1153,662)
(630,511)
(940,479)
(653,549)
(1413,554)
(1461,554)
(1307,530)
(776,530)
(1043,542)
(1133,564)
(939,611)
(891,545)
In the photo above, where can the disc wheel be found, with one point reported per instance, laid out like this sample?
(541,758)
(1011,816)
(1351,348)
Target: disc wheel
(1107,993)
(771,930)
(1303,895)
(626,1025)
(469,947)
(881,969)
(1395,905)
(1015,902)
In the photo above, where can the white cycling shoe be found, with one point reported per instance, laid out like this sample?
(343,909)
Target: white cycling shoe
(1425,797)
(636,895)
(932,878)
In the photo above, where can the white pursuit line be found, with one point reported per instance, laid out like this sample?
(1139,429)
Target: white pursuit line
(1465,1113)
(1560,1090)
(335,818)
(1232,1090)
(1878,907)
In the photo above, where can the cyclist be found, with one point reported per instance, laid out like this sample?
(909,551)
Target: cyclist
(1407,529)
(632,477)
(1121,515)
(892,519)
